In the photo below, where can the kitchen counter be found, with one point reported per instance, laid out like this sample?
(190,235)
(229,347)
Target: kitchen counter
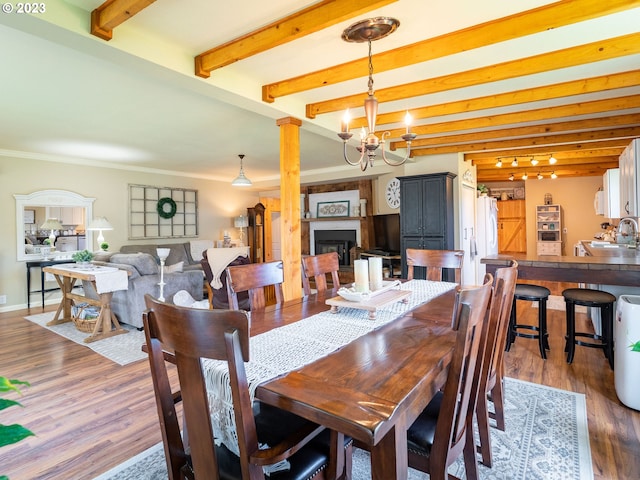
(613,267)
(610,250)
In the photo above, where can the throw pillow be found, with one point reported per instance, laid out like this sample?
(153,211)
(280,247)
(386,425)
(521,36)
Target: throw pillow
(176,267)
(143,262)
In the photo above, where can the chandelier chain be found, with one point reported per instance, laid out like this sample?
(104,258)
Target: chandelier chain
(370,70)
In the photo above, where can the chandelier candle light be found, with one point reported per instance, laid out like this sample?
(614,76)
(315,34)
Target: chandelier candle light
(368,31)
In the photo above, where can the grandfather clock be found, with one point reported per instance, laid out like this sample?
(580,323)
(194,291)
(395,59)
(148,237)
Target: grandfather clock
(255,232)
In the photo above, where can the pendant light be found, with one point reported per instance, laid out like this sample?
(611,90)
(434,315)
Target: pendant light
(241,180)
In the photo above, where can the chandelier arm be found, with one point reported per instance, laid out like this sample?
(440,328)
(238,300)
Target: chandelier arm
(407,138)
(360,160)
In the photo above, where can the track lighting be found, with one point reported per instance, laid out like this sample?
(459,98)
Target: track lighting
(534,162)
(525,176)
(552,160)
(540,177)
(511,177)
(553,175)
(499,163)
(515,162)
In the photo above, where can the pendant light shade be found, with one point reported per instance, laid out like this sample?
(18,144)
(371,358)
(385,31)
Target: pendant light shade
(241,180)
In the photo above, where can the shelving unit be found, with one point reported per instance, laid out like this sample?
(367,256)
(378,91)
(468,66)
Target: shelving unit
(549,229)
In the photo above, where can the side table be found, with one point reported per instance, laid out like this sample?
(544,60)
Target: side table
(40,264)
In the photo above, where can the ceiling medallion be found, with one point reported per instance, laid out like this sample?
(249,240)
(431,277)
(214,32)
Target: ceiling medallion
(360,32)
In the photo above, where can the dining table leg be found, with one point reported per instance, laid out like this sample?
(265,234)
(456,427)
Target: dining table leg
(389,458)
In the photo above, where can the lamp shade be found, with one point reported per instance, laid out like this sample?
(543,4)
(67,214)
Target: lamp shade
(240,221)
(51,224)
(100,223)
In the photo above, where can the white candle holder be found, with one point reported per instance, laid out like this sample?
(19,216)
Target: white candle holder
(163,253)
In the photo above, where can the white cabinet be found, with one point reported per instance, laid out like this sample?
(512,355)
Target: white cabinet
(67,215)
(549,229)
(629,177)
(611,188)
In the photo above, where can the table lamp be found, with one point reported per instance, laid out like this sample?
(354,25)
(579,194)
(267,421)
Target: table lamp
(51,224)
(100,224)
(240,222)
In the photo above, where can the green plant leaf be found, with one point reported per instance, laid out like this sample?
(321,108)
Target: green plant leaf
(7,385)
(6,403)
(635,347)
(13,434)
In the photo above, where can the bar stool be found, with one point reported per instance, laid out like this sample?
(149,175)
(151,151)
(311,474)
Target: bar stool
(532,293)
(589,298)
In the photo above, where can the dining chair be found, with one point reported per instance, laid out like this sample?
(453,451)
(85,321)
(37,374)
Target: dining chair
(435,261)
(253,278)
(492,374)
(317,267)
(444,429)
(266,435)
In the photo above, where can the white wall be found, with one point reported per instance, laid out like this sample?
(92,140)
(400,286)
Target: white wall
(218,204)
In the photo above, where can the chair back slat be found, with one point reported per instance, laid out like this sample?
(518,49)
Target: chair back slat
(459,397)
(193,334)
(253,278)
(436,263)
(317,267)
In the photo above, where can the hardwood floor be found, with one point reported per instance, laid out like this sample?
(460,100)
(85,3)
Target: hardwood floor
(90,414)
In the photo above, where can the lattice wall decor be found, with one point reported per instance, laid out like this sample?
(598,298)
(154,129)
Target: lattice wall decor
(180,205)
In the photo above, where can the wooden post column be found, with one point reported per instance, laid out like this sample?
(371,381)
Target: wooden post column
(290,205)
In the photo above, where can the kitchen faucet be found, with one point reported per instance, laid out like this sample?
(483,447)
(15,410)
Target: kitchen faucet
(634,223)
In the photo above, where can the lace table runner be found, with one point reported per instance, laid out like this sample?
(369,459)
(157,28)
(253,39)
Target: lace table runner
(290,347)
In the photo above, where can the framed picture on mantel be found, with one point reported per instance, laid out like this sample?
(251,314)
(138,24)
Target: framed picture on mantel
(333,209)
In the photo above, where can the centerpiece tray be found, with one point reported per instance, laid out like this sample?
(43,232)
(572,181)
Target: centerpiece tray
(370,301)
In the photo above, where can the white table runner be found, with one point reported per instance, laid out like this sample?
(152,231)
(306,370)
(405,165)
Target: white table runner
(290,347)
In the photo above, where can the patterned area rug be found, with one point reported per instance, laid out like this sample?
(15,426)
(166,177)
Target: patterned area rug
(121,349)
(546,438)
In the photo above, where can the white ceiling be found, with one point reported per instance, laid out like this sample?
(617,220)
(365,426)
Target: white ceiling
(134,102)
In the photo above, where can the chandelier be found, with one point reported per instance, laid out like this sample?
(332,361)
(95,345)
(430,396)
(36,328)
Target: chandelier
(368,31)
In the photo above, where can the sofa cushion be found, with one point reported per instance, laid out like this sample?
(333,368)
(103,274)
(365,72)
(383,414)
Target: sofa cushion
(177,267)
(143,262)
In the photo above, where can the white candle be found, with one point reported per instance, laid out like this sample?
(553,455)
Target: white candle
(375,273)
(361,271)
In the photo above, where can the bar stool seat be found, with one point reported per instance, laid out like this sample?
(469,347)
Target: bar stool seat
(589,298)
(533,293)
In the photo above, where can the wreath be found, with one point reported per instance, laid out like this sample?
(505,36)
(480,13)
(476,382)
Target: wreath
(166,213)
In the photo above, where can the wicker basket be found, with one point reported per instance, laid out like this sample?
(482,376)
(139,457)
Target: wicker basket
(84,317)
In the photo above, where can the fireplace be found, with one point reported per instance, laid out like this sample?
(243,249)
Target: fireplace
(340,241)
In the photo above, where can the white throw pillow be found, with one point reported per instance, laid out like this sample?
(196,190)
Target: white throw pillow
(175,268)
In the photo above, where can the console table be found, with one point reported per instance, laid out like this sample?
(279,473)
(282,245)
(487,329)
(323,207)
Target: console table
(40,264)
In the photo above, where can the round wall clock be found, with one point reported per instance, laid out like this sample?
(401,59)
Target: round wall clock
(392,193)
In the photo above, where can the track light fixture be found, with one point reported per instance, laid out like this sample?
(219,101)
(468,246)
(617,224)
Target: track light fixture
(552,160)
(553,175)
(499,163)
(534,161)
(511,177)
(515,162)
(525,176)
(540,177)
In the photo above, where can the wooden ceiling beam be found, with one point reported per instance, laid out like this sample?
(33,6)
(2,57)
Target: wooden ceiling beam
(568,57)
(568,150)
(549,142)
(502,175)
(547,92)
(309,20)
(507,28)
(113,13)
(539,114)
(547,128)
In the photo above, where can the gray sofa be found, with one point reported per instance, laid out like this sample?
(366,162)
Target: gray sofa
(144,276)
(180,252)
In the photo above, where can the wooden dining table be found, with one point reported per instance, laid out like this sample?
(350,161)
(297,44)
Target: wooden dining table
(373,388)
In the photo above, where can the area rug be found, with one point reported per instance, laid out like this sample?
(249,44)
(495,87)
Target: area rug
(121,349)
(546,438)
